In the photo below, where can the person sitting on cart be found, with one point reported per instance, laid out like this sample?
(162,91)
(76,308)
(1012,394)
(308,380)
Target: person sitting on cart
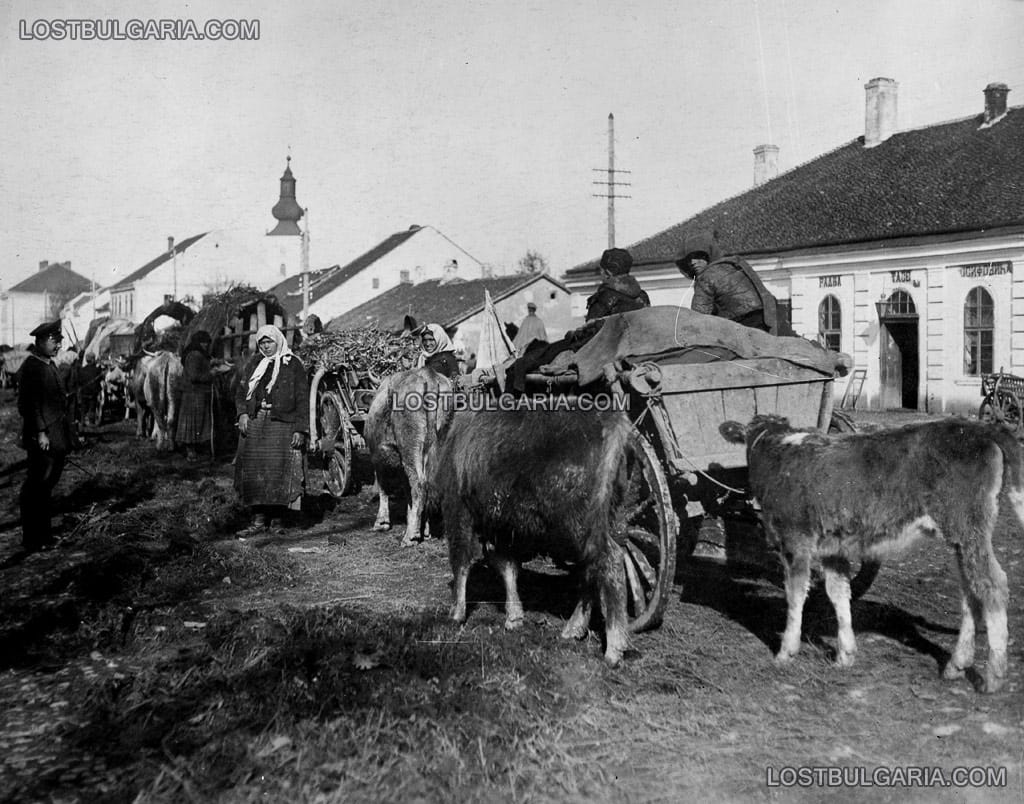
(437,351)
(618,292)
(725,286)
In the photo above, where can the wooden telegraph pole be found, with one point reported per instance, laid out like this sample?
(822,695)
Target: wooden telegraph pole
(611,183)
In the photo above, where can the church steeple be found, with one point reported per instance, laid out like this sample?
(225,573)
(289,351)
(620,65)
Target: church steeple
(287,209)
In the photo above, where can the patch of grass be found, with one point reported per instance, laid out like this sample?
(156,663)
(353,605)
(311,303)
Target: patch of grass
(326,701)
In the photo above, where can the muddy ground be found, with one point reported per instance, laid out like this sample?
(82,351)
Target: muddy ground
(155,657)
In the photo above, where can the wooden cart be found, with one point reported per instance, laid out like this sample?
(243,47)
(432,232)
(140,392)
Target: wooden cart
(339,399)
(684,467)
(1002,395)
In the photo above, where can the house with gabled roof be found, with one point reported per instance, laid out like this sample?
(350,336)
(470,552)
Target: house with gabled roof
(904,249)
(460,304)
(38,298)
(414,255)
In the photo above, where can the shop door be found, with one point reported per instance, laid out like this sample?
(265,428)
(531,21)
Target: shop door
(890,370)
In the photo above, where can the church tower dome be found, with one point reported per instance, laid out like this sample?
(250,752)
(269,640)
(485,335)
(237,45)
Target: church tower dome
(287,209)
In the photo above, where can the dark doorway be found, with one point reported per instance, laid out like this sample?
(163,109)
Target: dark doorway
(900,372)
(899,368)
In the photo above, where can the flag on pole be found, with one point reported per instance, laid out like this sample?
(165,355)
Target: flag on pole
(495,347)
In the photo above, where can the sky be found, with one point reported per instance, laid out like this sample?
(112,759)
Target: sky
(487,119)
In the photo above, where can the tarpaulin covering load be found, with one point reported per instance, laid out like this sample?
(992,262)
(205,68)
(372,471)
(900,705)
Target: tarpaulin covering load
(678,334)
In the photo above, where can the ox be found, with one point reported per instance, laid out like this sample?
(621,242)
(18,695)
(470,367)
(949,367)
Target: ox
(401,426)
(837,499)
(155,385)
(517,483)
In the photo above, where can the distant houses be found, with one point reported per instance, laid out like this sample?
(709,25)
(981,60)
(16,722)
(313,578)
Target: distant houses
(411,256)
(38,298)
(461,304)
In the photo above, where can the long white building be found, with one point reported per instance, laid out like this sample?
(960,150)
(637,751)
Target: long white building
(903,248)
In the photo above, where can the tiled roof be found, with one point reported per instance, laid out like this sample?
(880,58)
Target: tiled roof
(56,278)
(940,179)
(326,280)
(154,264)
(432,302)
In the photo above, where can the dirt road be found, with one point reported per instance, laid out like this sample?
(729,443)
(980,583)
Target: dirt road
(154,657)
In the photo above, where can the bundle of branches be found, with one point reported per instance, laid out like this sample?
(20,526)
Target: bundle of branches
(221,310)
(361,349)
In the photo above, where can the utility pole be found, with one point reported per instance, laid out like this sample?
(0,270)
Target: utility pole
(305,268)
(611,183)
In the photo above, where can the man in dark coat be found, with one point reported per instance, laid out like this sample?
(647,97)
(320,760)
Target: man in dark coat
(618,292)
(725,286)
(46,433)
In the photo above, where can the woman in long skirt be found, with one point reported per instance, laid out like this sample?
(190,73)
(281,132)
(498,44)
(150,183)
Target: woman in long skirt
(194,419)
(272,403)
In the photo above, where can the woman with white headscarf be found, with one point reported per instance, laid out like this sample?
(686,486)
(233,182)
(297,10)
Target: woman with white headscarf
(272,402)
(437,351)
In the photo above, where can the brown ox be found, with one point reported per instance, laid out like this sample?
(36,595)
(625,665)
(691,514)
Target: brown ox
(511,484)
(838,499)
(401,426)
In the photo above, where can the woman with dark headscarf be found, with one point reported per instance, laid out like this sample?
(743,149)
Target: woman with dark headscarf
(272,402)
(437,351)
(618,292)
(194,421)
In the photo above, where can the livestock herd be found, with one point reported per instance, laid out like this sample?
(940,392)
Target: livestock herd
(512,484)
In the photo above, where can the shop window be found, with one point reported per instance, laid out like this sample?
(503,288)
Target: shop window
(979,328)
(830,321)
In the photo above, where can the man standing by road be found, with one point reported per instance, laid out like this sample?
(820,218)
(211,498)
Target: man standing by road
(532,329)
(46,434)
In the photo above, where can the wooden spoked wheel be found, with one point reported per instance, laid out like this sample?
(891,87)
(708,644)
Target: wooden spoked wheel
(1004,408)
(334,426)
(648,531)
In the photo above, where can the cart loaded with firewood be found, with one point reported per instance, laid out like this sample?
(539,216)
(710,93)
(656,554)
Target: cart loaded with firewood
(345,370)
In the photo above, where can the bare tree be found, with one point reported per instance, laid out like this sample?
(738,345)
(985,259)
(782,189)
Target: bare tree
(533,263)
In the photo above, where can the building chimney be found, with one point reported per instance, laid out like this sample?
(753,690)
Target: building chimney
(879,111)
(995,103)
(170,244)
(44,264)
(451,272)
(766,163)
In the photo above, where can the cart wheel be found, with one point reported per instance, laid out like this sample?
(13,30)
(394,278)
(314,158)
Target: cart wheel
(1006,410)
(1011,411)
(334,425)
(861,582)
(649,540)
